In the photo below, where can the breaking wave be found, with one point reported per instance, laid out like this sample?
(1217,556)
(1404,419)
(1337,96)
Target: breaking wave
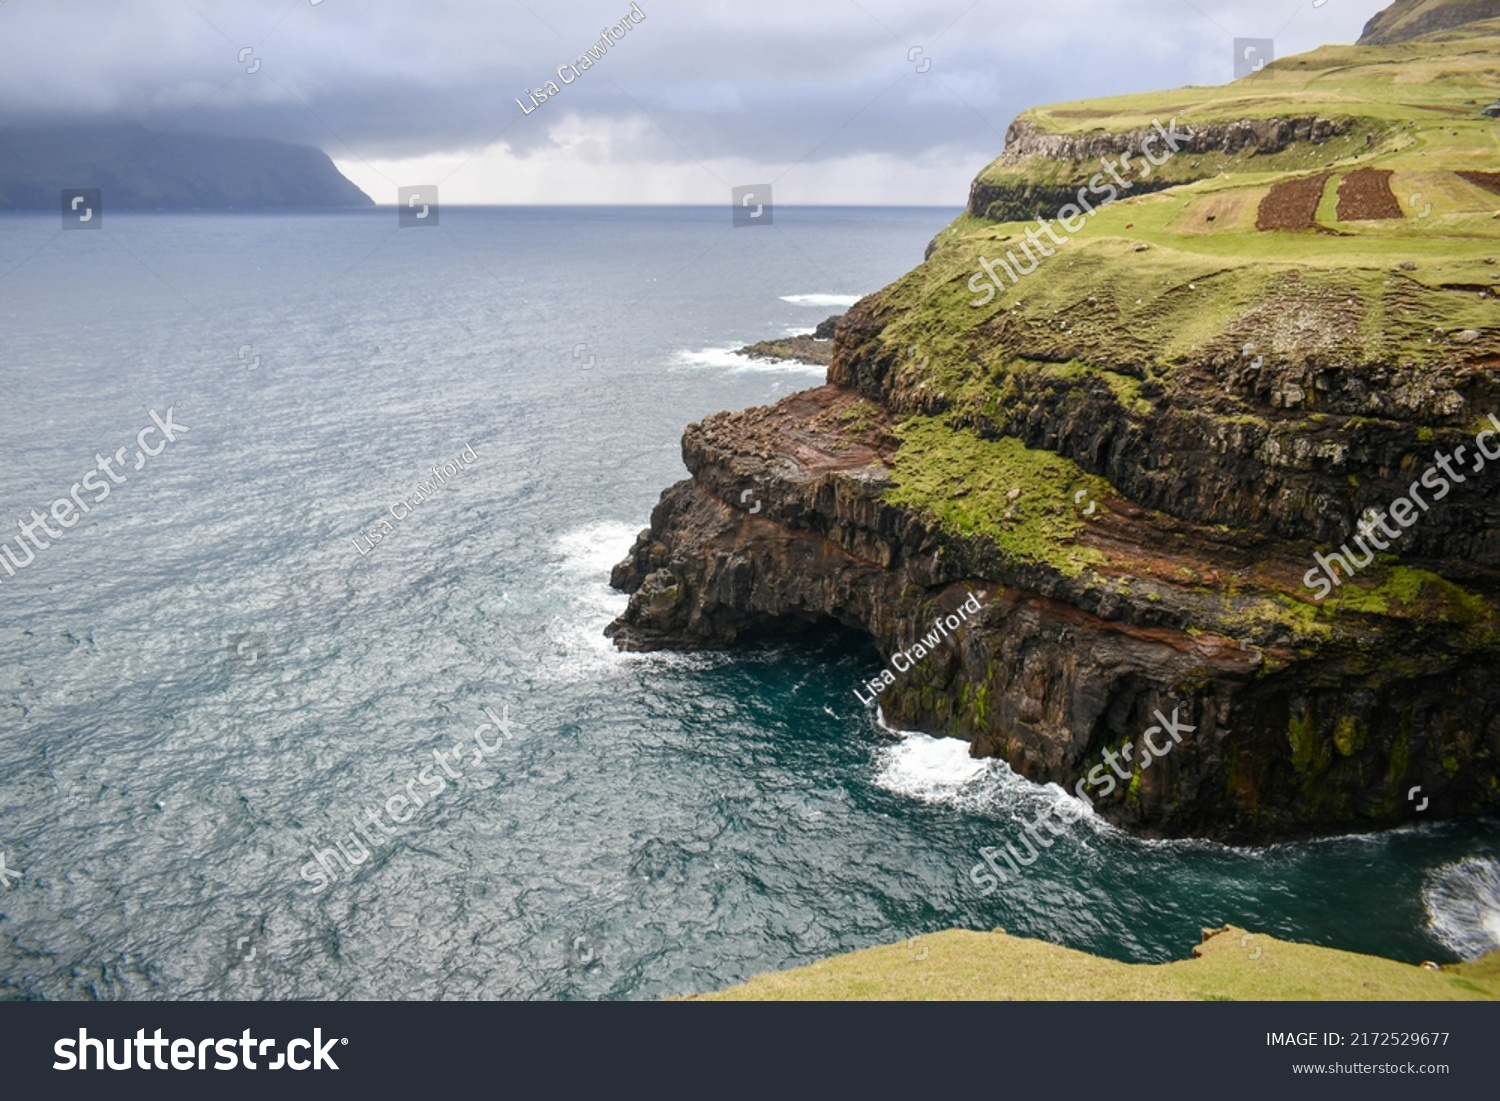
(821,300)
(1463,906)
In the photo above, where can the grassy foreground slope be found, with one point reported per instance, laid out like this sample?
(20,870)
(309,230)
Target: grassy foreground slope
(1230,965)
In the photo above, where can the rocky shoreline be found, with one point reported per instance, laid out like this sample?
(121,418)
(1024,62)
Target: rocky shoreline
(815,347)
(1055,669)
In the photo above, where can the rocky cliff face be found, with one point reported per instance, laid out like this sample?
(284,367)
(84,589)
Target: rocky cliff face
(1055,669)
(1012,190)
(1135,454)
(1024,138)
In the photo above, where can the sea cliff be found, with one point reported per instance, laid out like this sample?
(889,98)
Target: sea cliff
(1141,448)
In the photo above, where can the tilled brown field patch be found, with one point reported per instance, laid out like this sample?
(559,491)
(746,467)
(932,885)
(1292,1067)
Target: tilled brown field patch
(1292,204)
(1365,196)
(1490,181)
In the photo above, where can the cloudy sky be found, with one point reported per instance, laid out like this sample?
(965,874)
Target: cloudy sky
(828,99)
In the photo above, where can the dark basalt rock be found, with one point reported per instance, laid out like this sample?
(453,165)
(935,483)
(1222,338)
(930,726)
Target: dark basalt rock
(1288,740)
(1025,200)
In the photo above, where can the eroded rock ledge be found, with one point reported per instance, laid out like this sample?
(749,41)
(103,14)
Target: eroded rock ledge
(1290,740)
(1008,192)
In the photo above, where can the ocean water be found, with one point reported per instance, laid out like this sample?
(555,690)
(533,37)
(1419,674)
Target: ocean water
(217,671)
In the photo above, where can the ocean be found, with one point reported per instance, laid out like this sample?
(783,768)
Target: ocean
(216,672)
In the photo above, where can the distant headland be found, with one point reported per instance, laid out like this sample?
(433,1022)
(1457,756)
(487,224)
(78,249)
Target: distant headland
(140,170)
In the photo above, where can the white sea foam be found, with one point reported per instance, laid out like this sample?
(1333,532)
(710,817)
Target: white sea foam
(933,770)
(594,549)
(940,771)
(821,301)
(1463,906)
(726,358)
(575,639)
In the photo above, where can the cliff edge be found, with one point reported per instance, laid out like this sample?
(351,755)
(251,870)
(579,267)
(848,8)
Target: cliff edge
(1194,399)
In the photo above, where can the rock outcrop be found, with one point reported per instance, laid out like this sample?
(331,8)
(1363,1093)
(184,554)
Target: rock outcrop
(815,347)
(1012,190)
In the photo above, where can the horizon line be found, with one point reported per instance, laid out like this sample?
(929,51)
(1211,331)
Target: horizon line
(484,206)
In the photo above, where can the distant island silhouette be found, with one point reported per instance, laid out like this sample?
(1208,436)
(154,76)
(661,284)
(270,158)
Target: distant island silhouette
(140,170)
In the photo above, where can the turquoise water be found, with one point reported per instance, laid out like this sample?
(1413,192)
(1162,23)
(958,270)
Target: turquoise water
(205,680)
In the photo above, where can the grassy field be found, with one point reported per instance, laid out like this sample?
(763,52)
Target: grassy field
(1232,965)
(1414,110)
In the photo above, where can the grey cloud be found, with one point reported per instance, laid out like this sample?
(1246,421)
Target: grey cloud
(775,81)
